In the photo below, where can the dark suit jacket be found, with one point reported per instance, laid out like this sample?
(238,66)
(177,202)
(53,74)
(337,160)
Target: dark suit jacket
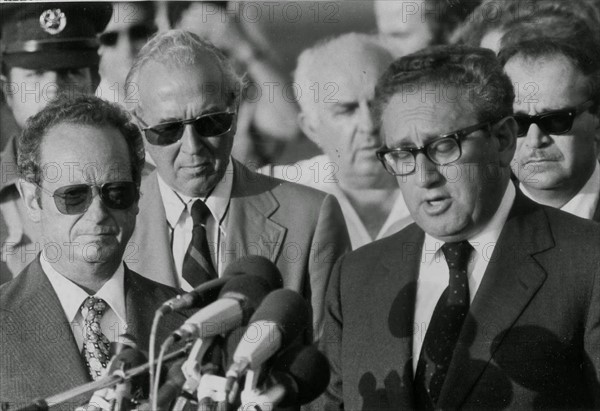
(39,356)
(531,340)
(300,229)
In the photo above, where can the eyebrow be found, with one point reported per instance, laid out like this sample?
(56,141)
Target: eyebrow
(209,110)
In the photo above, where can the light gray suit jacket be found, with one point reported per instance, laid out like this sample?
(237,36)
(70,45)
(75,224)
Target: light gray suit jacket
(300,229)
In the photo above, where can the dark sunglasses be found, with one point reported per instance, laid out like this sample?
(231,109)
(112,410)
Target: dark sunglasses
(552,122)
(136,33)
(76,198)
(206,125)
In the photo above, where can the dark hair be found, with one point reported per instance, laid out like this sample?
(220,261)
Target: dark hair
(472,69)
(82,109)
(582,50)
(500,14)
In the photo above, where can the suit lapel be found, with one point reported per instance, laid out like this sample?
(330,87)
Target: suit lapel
(511,279)
(51,349)
(248,226)
(149,250)
(402,267)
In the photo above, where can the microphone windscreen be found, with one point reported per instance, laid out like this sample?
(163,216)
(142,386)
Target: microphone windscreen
(256,265)
(286,308)
(249,289)
(308,367)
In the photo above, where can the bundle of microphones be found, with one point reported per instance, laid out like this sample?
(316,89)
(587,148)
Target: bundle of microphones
(244,348)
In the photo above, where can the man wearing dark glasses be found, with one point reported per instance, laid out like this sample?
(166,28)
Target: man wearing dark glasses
(80,162)
(47,48)
(200,209)
(558,113)
(490,300)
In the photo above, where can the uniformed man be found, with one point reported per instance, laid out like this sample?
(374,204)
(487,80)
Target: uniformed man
(46,48)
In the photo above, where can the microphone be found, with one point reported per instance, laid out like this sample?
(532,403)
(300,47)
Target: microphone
(209,291)
(299,376)
(169,391)
(237,301)
(280,319)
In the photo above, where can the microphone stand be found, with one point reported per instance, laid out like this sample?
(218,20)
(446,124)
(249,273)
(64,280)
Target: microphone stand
(110,380)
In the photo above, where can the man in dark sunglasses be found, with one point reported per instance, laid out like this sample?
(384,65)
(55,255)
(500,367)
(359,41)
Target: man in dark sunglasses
(80,165)
(47,49)
(557,110)
(129,28)
(201,209)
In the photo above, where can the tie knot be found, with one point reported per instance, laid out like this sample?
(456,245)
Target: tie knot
(93,308)
(200,212)
(457,254)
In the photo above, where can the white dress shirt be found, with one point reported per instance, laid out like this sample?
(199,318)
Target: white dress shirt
(114,321)
(434,273)
(178,211)
(585,202)
(319,172)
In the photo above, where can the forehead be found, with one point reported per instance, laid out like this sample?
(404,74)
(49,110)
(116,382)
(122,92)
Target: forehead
(174,92)
(549,81)
(127,15)
(419,118)
(74,152)
(353,73)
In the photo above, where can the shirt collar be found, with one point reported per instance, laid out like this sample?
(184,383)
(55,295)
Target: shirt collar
(71,296)
(584,203)
(175,203)
(482,240)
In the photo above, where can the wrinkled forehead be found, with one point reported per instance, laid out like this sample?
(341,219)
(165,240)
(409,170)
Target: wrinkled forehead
(418,117)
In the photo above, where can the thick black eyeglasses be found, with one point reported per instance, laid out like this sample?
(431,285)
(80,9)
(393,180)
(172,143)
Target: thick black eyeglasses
(444,150)
(76,198)
(555,122)
(206,125)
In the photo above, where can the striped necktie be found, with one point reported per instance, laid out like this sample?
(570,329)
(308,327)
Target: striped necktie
(197,264)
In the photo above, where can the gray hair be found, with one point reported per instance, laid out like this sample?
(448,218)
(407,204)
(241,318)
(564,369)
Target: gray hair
(180,48)
(475,70)
(332,49)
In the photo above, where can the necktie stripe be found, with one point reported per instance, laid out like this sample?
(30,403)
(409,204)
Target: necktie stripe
(197,264)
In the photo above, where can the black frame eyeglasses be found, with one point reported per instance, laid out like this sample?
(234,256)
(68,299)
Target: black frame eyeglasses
(442,151)
(76,198)
(205,125)
(555,122)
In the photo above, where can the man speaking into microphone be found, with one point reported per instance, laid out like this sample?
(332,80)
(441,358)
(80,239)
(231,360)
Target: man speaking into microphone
(80,162)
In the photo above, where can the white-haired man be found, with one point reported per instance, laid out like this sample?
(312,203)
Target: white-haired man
(337,80)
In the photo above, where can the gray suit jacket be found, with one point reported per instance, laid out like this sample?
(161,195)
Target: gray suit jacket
(300,229)
(531,340)
(39,356)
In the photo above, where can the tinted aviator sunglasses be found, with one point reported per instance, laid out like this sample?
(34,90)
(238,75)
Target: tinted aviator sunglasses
(76,199)
(552,122)
(206,125)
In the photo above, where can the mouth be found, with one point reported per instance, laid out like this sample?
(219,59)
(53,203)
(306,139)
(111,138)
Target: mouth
(436,205)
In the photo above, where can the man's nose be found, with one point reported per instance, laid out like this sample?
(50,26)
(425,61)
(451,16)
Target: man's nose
(427,173)
(536,137)
(97,211)
(191,142)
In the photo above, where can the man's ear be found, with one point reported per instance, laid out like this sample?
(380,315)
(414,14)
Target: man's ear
(506,132)
(29,194)
(307,125)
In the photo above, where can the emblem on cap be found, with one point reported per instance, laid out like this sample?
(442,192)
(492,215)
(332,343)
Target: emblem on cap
(53,21)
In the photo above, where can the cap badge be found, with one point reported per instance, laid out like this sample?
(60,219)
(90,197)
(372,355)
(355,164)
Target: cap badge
(53,21)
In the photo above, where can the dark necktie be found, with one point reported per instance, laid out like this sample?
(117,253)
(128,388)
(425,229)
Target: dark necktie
(95,344)
(197,264)
(444,327)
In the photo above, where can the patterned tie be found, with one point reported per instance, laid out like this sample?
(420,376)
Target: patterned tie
(197,264)
(444,328)
(95,344)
